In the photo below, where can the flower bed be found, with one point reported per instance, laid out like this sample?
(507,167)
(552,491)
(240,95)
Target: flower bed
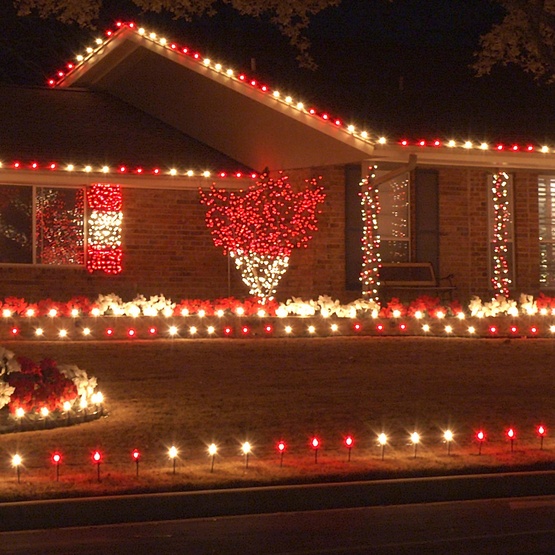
(44,395)
(111,318)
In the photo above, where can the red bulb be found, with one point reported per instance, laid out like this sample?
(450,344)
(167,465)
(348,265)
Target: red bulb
(97,457)
(152,331)
(541,430)
(349,441)
(227,330)
(109,331)
(56,458)
(511,433)
(136,454)
(281,446)
(245,329)
(315,443)
(533,330)
(480,435)
(131,332)
(493,329)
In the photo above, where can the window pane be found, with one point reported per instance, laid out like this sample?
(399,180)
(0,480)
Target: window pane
(394,251)
(60,226)
(393,219)
(546,209)
(16,224)
(547,265)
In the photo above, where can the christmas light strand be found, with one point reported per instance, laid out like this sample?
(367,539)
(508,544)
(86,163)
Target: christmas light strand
(123,169)
(104,252)
(261,226)
(501,220)
(370,240)
(257,87)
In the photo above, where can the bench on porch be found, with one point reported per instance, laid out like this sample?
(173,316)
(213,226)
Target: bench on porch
(403,278)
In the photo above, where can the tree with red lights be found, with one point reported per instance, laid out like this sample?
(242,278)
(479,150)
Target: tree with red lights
(260,227)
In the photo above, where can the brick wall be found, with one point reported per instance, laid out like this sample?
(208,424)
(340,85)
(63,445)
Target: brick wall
(169,250)
(464,230)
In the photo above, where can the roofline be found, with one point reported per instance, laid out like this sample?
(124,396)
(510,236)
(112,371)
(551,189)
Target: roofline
(371,146)
(79,179)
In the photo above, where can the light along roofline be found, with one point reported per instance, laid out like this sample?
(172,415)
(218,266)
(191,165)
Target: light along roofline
(145,180)
(313,117)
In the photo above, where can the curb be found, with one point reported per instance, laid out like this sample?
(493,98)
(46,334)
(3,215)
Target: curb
(94,511)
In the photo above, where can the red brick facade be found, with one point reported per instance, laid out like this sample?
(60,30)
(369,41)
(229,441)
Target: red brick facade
(464,250)
(168,249)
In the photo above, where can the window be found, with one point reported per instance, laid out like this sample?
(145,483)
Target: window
(393,219)
(42,225)
(501,232)
(546,205)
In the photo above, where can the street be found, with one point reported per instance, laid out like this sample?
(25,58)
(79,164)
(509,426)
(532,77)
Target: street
(510,526)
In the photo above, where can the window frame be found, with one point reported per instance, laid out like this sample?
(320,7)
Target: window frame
(406,179)
(34,250)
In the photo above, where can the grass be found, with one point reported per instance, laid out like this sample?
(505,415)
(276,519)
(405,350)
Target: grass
(190,393)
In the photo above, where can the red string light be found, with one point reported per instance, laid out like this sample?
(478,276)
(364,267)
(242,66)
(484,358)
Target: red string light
(261,226)
(104,252)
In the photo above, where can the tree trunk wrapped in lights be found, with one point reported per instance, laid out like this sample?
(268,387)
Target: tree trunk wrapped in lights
(260,227)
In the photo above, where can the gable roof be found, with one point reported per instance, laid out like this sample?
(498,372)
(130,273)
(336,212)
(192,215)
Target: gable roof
(251,122)
(93,127)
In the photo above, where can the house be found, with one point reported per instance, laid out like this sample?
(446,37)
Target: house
(110,156)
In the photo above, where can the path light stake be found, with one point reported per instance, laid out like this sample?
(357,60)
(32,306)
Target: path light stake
(16,462)
(315,442)
(511,435)
(67,409)
(57,459)
(281,449)
(415,438)
(349,444)
(44,412)
(448,436)
(136,456)
(19,413)
(480,436)
(97,459)
(382,440)
(246,448)
(212,450)
(172,453)
(541,432)
(83,406)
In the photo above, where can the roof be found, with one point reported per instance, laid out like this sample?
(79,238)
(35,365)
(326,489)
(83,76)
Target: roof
(255,123)
(77,125)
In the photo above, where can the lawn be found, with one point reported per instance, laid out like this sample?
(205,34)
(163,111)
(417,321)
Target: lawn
(190,393)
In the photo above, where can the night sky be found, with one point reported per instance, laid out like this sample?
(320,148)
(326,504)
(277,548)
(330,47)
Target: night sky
(399,68)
